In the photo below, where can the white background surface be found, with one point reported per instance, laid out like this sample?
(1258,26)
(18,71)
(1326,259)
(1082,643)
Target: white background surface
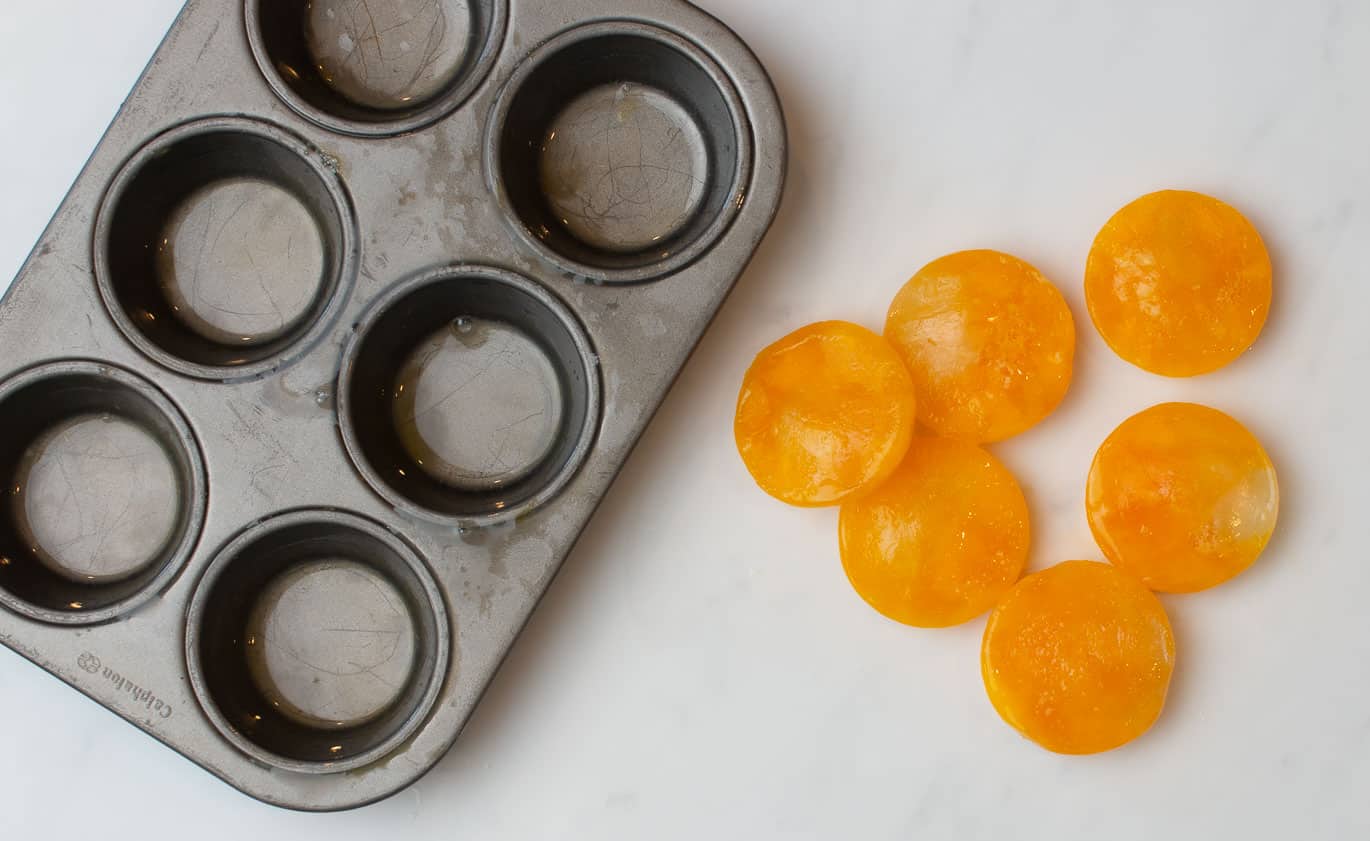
(701,668)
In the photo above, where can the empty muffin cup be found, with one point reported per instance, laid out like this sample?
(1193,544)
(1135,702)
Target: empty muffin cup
(105,492)
(375,67)
(468,395)
(225,247)
(317,641)
(620,151)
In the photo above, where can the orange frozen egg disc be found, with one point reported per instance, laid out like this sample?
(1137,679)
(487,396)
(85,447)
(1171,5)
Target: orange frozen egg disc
(941,540)
(1178,283)
(1078,658)
(1183,497)
(990,343)
(824,413)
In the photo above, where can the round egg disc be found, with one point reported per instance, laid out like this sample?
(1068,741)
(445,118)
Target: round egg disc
(941,540)
(1178,283)
(824,414)
(990,343)
(1078,658)
(1183,497)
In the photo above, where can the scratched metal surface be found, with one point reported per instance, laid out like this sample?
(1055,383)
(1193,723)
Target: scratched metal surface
(270,439)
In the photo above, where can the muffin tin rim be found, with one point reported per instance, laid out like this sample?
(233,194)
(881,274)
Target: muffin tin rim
(230,551)
(460,92)
(377,308)
(740,180)
(312,332)
(196,496)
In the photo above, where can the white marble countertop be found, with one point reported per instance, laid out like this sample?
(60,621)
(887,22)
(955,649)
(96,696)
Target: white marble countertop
(701,668)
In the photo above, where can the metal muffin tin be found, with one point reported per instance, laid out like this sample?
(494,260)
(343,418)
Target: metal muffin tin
(336,344)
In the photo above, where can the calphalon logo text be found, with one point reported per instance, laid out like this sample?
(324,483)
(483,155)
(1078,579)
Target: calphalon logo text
(90,663)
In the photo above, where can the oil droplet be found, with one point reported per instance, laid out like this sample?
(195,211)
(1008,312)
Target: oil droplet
(474,537)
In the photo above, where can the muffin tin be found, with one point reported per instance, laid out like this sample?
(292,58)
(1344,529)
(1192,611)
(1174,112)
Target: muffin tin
(336,344)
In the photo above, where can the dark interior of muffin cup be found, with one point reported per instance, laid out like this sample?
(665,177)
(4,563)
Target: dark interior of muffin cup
(391,339)
(279,27)
(27,413)
(614,58)
(221,617)
(163,177)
